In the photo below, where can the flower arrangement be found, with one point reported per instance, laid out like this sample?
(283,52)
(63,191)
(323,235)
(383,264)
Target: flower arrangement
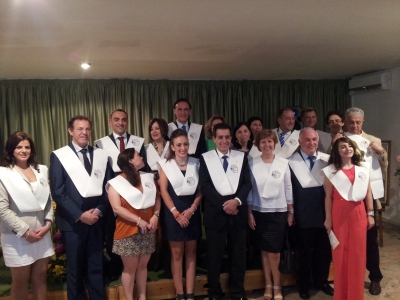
(56,270)
(397,173)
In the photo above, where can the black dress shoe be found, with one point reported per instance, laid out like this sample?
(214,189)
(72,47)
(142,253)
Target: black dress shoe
(326,288)
(304,294)
(375,288)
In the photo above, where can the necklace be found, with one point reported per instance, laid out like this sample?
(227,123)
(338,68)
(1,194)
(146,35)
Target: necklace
(181,165)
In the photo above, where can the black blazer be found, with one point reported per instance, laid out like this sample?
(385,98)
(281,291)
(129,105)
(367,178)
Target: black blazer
(70,204)
(142,153)
(309,204)
(201,145)
(214,215)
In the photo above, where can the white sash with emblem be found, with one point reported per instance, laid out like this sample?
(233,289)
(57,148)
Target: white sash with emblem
(87,186)
(254,152)
(193,135)
(132,195)
(225,183)
(290,145)
(375,173)
(183,185)
(349,192)
(308,178)
(268,183)
(112,150)
(153,157)
(21,193)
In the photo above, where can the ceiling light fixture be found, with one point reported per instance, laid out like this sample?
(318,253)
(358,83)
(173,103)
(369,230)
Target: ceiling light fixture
(85,65)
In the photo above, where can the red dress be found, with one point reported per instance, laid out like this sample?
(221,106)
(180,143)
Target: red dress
(349,223)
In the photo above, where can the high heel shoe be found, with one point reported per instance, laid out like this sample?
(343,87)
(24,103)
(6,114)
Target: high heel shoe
(268,296)
(279,288)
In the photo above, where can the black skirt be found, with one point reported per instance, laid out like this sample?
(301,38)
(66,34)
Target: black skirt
(269,234)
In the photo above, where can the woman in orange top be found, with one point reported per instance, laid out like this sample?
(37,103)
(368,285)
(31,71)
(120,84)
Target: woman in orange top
(136,201)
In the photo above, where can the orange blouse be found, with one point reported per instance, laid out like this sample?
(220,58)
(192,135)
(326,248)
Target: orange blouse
(124,228)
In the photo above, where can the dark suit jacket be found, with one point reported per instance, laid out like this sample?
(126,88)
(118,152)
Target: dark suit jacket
(201,146)
(142,153)
(70,204)
(214,215)
(309,204)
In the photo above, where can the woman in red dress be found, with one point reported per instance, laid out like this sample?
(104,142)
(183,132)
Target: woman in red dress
(346,186)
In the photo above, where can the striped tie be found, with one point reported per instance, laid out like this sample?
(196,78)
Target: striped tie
(282,138)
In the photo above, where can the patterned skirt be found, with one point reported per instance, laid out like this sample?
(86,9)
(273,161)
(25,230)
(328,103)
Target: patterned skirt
(135,245)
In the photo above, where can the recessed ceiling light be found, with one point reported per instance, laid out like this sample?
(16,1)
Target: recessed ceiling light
(86,65)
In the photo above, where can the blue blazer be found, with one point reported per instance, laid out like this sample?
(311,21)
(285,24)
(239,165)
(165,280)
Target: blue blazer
(70,204)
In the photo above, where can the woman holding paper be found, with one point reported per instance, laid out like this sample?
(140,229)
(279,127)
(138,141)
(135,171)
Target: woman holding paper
(26,214)
(135,200)
(346,186)
(179,177)
(269,202)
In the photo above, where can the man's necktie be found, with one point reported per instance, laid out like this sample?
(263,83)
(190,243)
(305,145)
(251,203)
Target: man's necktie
(312,161)
(86,162)
(282,138)
(225,163)
(121,144)
(184,128)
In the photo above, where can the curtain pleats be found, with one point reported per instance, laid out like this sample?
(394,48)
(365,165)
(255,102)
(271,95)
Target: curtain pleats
(43,108)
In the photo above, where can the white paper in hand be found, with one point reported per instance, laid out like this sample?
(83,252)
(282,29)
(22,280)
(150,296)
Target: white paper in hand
(333,240)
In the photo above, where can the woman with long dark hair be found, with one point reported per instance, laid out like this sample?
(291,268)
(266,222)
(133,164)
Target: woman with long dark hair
(135,200)
(242,138)
(179,177)
(346,187)
(26,214)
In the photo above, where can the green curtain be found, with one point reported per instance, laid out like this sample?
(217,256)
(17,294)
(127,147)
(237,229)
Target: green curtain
(43,108)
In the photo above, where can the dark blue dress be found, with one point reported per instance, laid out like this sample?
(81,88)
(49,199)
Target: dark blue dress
(172,231)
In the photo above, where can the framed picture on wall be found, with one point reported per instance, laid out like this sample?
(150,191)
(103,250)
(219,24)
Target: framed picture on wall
(386,181)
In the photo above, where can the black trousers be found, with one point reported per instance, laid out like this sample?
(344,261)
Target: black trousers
(84,250)
(234,237)
(373,255)
(315,257)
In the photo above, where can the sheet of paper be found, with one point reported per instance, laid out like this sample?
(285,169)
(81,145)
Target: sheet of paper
(333,240)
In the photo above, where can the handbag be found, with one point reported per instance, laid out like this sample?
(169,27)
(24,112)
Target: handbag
(288,263)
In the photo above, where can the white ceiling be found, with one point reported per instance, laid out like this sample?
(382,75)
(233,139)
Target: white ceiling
(198,39)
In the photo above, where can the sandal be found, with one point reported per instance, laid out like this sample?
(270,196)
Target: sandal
(268,296)
(180,297)
(190,296)
(279,288)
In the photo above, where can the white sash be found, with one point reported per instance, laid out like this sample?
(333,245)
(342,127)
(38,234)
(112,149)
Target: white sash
(254,152)
(112,150)
(87,186)
(193,135)
(306,178)
(132,195)
(290,145)
(183,186)
(350,192)
(375,174)
(268,183)
(225,183)
(153,157)
(21,193)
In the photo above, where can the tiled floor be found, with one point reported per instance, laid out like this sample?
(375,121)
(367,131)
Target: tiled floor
(390,267)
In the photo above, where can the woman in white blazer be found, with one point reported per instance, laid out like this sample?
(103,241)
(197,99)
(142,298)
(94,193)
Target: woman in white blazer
(26,214)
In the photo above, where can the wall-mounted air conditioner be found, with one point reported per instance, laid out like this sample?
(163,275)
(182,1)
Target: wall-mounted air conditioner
(370,83)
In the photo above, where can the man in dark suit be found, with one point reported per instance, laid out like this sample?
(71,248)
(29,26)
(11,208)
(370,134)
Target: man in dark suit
(114,144)
(225,184)
(78,174)
(309,212)
(195,132)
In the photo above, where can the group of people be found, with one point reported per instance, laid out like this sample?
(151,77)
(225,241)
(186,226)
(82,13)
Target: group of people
(121,191)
